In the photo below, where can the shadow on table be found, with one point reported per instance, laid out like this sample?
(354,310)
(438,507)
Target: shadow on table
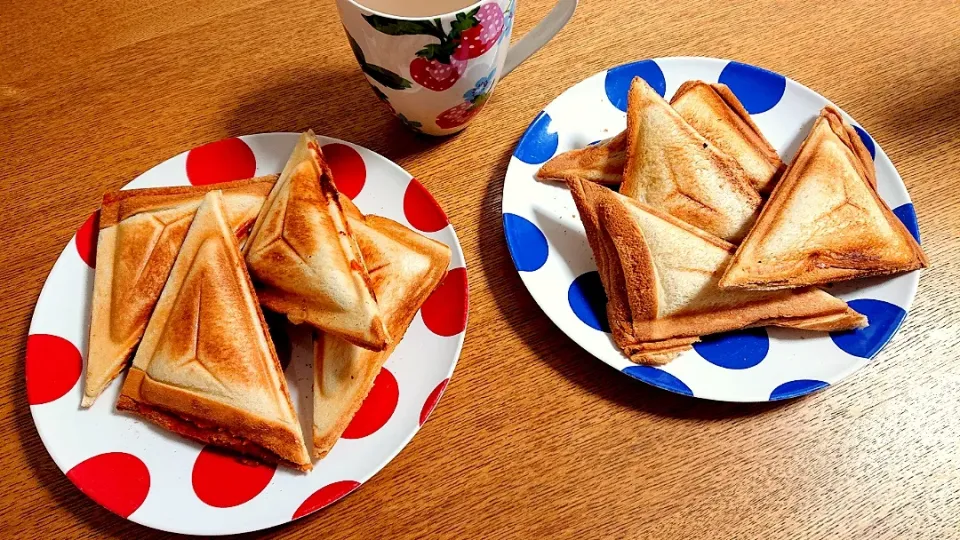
(522,314)
(337,104)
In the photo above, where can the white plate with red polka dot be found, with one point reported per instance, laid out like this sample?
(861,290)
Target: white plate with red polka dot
(165,482)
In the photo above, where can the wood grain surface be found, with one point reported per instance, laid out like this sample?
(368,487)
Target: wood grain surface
(534,437)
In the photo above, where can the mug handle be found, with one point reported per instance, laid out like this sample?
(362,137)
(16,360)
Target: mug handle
(540,35)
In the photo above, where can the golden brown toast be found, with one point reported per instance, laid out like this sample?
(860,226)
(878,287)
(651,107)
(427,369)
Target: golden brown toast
(206,367)
(303,257)
(405,268)
(660,275)
(141,231)
(673,168)
(711,109)
(825,221)
(601,163)
(716,113)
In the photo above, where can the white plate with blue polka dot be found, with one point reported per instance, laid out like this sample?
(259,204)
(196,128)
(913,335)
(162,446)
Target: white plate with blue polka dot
(549,249)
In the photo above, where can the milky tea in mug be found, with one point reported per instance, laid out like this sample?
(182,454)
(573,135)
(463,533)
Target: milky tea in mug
(415,8)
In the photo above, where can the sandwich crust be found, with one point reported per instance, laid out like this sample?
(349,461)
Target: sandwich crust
(601,163)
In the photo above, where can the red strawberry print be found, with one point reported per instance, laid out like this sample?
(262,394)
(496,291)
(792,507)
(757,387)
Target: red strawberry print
(435,75)
(480,37)
(457,116)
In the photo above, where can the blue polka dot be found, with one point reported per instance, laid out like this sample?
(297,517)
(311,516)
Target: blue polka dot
(659,378)
(884,319)
(797,388)
(589,301)
(735,350)
(617,81)
(867,141)
(527,244)
(538,143)
(758,89)
(908,216)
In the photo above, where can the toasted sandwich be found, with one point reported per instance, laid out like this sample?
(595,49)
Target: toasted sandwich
(405,268)
(141,231)
(206,368)
(673,168)
(601,163)
(825,221)
(711,109)
(661,278)
(303,257)
(716,113)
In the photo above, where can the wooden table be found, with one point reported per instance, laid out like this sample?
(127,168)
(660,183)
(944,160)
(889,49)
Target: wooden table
(534,437)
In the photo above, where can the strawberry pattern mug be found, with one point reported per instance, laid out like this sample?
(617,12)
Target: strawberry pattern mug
(436,73)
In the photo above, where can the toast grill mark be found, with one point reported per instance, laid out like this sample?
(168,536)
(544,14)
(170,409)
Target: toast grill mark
(147,251)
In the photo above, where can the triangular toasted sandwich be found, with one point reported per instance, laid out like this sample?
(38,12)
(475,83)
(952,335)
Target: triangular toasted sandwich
(601,163)
(141,231)
(303,257)
(206,368)
(711,109)
(825,221)
(673,168)
(716,113)
(660,275)
(405,268)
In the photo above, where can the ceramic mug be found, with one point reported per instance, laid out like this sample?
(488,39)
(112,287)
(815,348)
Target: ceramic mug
(436,73)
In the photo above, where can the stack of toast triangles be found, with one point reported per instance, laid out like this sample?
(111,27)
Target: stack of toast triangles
(691,183)
(171,276)
(304,259)
(661,278)
(701,160)
(405,268)
(206,367)
(141,231)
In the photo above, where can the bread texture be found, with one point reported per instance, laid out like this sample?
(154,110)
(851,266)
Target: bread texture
(206,367)
(673,168)
(141,231)
(405,268)
(713,110)
(661,278)
(825,221)
(716,113)
(304,259)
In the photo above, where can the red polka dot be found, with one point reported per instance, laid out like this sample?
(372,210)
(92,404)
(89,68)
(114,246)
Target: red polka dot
(221,161)
(220,479)
(421,210)
(377,408)
(432,400)
(53,367)
(445,312)
(349,172)
(87,239)
(325,496)
(116,480)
